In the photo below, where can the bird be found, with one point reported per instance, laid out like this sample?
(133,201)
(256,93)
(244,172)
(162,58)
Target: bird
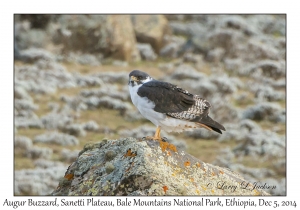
(168,106)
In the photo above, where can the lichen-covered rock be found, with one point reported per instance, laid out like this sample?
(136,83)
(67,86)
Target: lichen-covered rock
(23,104)
(267,93)
(145,167)
(28,122)
(225,84)
(43,77)
(26,37)
(39,181)
(39,152)
(21,93)
(170,50)
(88,59)
(254,141)
(215,55)
(113,77)
(267,68)
(56,138)
(108,102)
(111,90)
(69,155)
(265,111)
(91,126)
(23,142)
(186,71)
(74,130)
(88,80)
(43,163)
(34,54)
(55,120)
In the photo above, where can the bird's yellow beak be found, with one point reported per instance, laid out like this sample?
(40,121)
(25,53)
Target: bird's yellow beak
(133,78)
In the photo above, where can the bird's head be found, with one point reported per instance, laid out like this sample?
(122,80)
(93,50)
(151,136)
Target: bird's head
(137,77)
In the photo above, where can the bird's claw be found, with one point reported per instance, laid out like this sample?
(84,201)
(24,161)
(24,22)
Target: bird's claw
(155,138)
(164,139)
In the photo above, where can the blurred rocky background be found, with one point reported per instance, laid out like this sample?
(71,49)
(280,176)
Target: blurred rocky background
(70,89)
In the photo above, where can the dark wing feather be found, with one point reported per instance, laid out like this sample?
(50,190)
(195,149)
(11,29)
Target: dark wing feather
(166,97)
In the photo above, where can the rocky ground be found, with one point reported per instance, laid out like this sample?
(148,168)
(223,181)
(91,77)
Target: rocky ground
(71,74)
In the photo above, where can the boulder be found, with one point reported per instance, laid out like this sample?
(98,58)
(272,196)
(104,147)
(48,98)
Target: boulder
(132,166)
(265,111)
(150,29)
(38,181)
(146,52)
(112,35)
(57,138)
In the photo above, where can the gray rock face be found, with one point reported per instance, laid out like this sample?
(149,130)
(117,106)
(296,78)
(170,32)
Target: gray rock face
(147,52)
(39,181)
(39,152)
(105,30)
(265,111)
(145,167)
(150,29)
(56,138)
(23,142)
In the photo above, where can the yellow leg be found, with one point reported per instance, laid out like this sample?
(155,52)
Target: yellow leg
(157,134)
(163,144)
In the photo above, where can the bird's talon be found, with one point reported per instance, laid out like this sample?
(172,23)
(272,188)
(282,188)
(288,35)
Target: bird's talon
(164,139)
(157,138)
(148,138)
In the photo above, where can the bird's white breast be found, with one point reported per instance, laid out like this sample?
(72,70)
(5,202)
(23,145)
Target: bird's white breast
(146,108)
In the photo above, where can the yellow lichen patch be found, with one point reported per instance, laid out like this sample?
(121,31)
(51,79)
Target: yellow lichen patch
(192,180)
(169,153)
(198,192)
(256,192)
(69,176)
(165,188)
(221,172)
(204,188)
(172,147)
(187,163)
(198,165)
(165,145)
(212,173)
(212,191)
(129,153)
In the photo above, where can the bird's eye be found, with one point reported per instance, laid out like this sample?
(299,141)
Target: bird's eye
(140,77)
